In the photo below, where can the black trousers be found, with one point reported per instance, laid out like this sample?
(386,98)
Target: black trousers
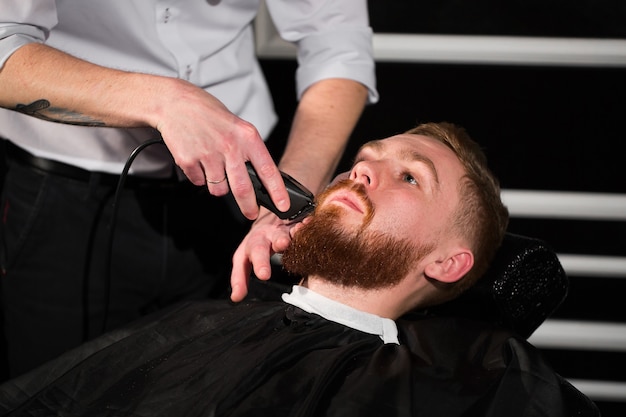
(66,278)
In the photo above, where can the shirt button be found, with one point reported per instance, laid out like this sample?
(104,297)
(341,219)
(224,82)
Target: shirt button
(166,15)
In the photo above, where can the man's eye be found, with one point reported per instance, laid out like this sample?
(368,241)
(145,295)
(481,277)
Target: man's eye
(409,178)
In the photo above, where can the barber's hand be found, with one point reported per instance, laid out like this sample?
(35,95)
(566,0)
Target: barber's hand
(267,236)
(211,145)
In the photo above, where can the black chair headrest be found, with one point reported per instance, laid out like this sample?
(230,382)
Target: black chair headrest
(523,286)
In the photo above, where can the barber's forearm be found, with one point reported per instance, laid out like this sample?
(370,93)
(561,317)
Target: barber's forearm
(46,83)
(327,113)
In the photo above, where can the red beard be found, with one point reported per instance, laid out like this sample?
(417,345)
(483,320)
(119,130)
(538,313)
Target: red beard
(353,258)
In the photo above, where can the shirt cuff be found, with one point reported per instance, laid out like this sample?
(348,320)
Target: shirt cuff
(11,43)
(339,54)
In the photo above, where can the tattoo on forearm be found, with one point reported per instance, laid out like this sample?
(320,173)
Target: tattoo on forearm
(42,109)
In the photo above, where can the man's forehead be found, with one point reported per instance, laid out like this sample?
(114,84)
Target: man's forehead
(408,141)
(436,155)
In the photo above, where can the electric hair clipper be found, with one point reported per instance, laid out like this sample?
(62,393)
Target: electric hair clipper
(302,200)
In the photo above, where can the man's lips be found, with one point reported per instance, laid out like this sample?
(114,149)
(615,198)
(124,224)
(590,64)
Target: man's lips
(348,199)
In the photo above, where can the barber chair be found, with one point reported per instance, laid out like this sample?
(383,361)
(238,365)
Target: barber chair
(523,286)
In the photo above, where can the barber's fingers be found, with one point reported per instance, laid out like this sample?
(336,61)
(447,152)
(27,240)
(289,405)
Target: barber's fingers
(239,278)
(222,173)
(212,145)
(295,227)
(268,235)
(251,253)
(241,185)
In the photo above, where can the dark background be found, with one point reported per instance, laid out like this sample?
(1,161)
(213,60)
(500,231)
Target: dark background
(542,127)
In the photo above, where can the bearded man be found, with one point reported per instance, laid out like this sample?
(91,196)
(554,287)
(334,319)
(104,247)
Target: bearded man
(415,221)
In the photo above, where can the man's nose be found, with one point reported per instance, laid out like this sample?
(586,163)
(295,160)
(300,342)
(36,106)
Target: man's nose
(365,173)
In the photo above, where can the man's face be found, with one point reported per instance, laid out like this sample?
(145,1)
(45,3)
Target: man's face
(371,229)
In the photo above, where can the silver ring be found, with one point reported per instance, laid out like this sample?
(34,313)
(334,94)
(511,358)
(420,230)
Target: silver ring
(216,182)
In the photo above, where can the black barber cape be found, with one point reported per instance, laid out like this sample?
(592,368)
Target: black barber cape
(274,359)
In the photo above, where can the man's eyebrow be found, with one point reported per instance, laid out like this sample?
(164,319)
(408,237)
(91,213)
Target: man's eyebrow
(411,155)
(405,154)
(375,145)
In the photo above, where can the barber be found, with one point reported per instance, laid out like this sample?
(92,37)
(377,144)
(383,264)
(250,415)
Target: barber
(83,83)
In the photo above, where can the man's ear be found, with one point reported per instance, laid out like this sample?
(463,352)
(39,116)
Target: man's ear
(452,268)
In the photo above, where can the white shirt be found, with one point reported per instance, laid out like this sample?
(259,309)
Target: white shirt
(208,42)
(312,302)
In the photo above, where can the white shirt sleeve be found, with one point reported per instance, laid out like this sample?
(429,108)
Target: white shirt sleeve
(334,40)
(23,22)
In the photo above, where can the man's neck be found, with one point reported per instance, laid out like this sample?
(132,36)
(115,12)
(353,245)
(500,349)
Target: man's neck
(384,302)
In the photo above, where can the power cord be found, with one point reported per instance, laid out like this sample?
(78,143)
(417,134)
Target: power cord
(115,208)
